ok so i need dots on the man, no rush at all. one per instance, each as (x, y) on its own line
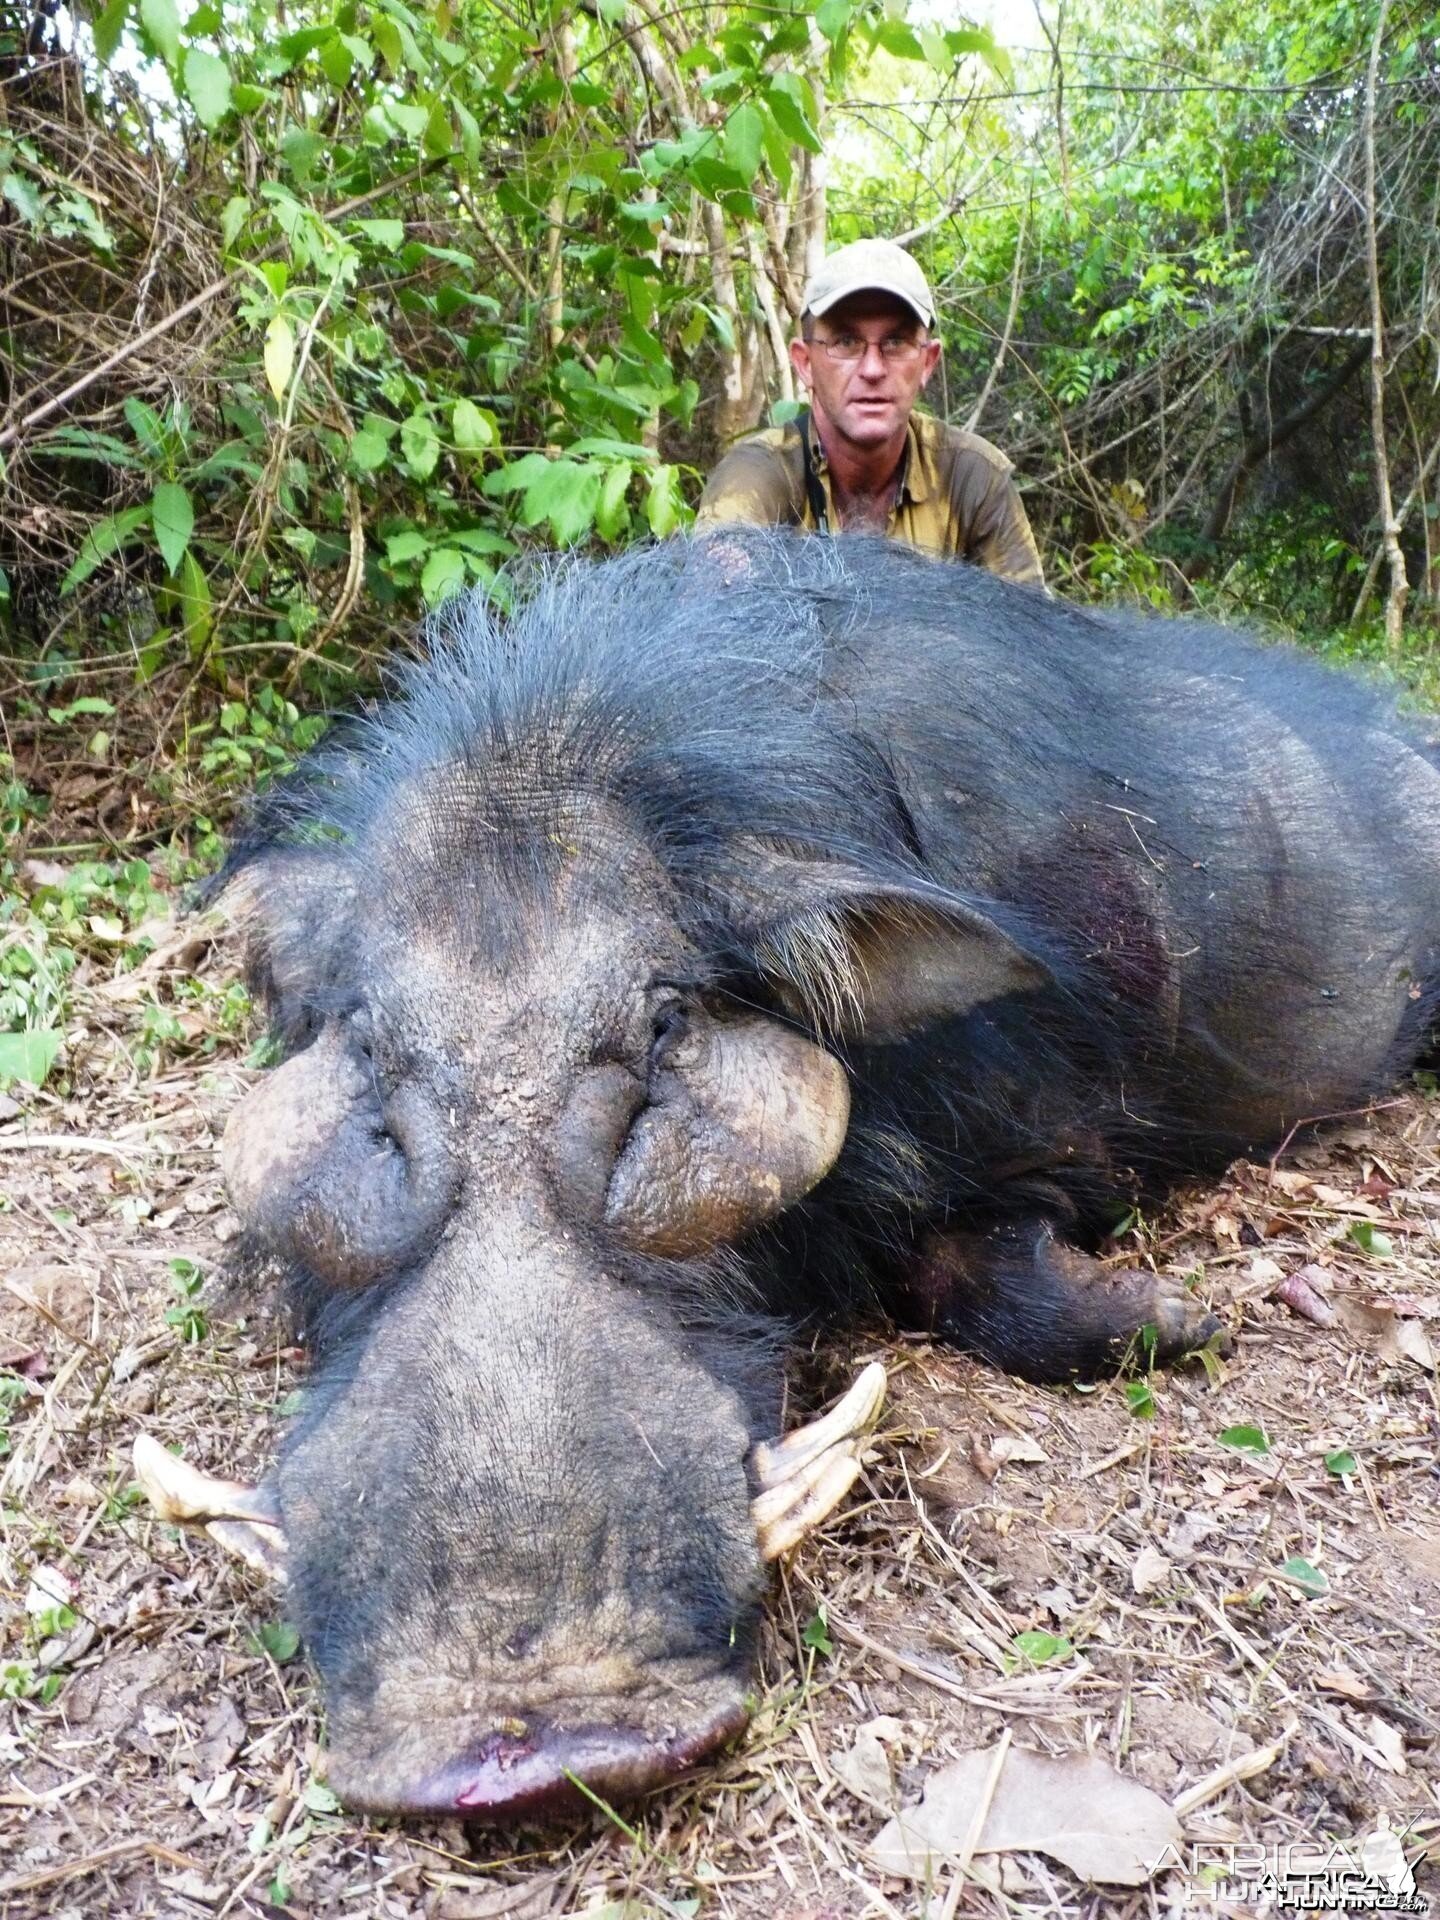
(859, 459)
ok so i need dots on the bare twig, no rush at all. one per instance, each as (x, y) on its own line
(998, 362)
(1389, 525)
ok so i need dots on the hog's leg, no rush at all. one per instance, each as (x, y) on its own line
(1021, 1298)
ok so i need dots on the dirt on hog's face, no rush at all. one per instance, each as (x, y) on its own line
(517, 1510)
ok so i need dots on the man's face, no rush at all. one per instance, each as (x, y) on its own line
(865, 398)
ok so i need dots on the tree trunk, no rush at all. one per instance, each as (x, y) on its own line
(1389, 525)
(559, 201)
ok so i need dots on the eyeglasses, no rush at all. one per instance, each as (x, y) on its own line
(849, 347)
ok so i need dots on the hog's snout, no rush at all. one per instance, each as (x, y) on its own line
(535, 1768)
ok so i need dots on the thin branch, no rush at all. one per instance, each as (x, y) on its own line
(1389, 525)
(1273, 435)
(18, 428)
(998, 362)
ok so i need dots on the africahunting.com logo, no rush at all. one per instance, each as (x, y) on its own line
(1373, 1875)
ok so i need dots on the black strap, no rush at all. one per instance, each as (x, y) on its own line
(814, 491)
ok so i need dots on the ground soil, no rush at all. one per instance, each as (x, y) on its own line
(178, 1767)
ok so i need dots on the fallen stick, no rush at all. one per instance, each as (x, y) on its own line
(1244, 1767)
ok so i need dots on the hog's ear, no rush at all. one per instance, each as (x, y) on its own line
(874, 963)
(295, 910)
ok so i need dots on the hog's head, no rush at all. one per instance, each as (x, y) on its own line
(555, 1059)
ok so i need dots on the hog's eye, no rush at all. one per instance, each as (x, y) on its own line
(670, 1025)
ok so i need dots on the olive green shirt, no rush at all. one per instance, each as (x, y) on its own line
(956, 496)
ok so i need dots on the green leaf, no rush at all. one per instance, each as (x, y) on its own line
(611, 517)
(474, 429)
(1368, 1237)
(515, 475)
(420, 445)
(566, 495)
(146, 425)
(744, 141)
(1341, 1463)
(816, 1634)
(318, 1798)
(409, 544)
(107, 536)
(603, 447)
(108, 27)
(87, 703)
(28, 1056)
(23, 194)
(438, 137)
(279, 1639)
(1140, 1398)
(301, 148)
(444, 574)
(237, 209)
(173, 519)
(664, 503)
(161, 21)
(727, 80)
(833, 16)
(1249, 1440)
(407, 118)
(724, 326)
(386, 36)
(469, 132)
(786, 100)
(195, 604)
(84, 443)
(898, 38)
(337, 62)
(304, 40)
(233, 457)
(207, 83)
(962, 40)
(279, 354)
(368, 450)
(1041, 1648)
(387, 235)
(478, 540)
(1305, 1576)
(777, 150)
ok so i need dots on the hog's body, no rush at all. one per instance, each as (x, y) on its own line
(584, 947)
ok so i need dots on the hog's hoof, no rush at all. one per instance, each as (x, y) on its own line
(1182, 1324)
(1020, 1296)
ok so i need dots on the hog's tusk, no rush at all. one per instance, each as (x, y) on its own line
(805, 1476)
(855, 1412)
(238, 1518)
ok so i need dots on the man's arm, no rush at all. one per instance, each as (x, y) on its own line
(997, 531)
(751, 487)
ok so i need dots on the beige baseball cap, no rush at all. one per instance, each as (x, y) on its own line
(870, 266)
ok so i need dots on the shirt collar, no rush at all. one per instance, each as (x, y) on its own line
(917, 481)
